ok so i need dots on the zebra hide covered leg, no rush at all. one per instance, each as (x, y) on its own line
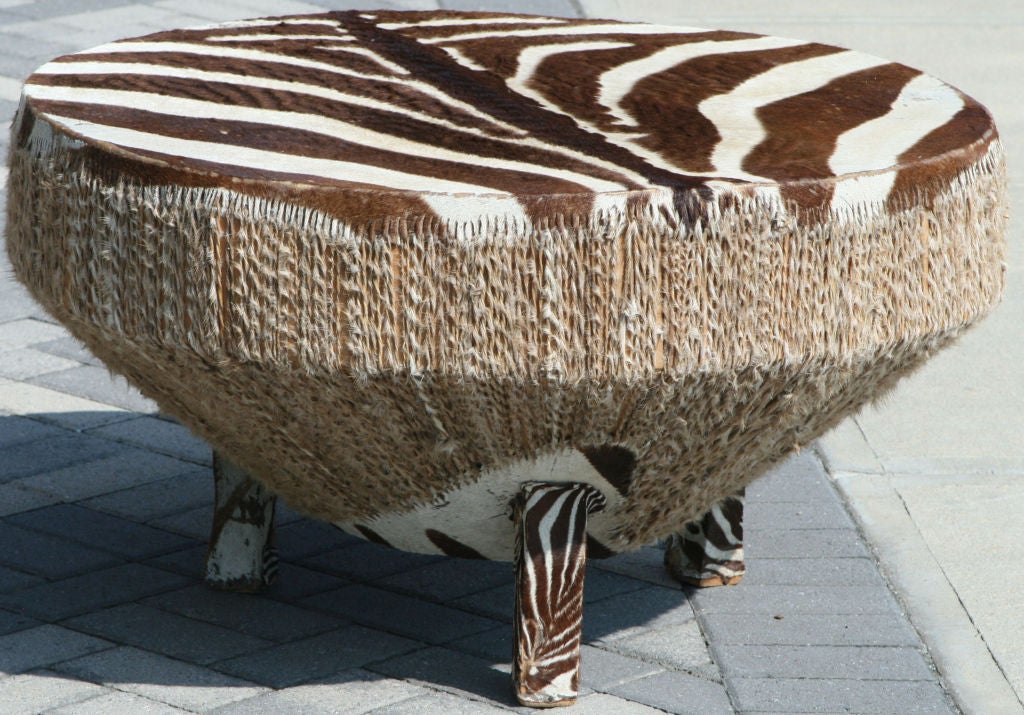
(241, 555)
(709, 551)
(550, 556)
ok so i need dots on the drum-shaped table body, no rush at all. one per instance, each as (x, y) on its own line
(396, 266)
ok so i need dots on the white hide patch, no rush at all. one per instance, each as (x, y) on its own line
(479, 515)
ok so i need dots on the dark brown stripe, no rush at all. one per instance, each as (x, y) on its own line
(614, 463)
(372, 535)
(452, 547)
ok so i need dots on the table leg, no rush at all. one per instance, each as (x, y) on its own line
(241, 555)
(709, 551)
(551, 553)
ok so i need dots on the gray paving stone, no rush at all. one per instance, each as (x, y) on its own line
(126, 467)
(158, 499)
(740, 629)
(26, 332)
(252, 615)
(102, 531)
(803, 543)
(438, 704)
(11, 622)
(602, 670)
(12, 579)
(16, 498)
(864, 696)
(399, 614)
(69, 348)
(48, 9)
(159, 435)
(46, 405)
(43, 646)
(296, 582)
(822, 662)
(302, 539)
(118, 703)
(194, 523)
(317, 657)
(171, 634)
(47, 455)
(678, 647)
(760, 515)
(18, 430)
(495, 603)
(599, 584)
(793, 600)
(604, 704)
(349, 692)
(48, 556)
(365, 561)
(814, 572)
(34, 693)
(187, 686)
(454, 672)
(91, 591)
(631, 613)
(96, 383)
(26, 363)
(676, 692)
(449, 579)
(645, 564)
(494, 645)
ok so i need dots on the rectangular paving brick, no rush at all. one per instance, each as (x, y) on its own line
(495, 644)
(167, 633)
(43, 646)
(676, 647)
(13, 579)
(159, 435)
(452, 671)
(349, 692)
(68, 411)
(97, 384)
(859, 696)
(91, 592)
(69, 348)
(308, 537)
(449, 579)
(629, 613)
(50, 454)
(796, 515)
(803, 543)
(187, 686)
(256, 616)
(17, 430)
(48, 556)
(126, 468)
(318, 656)
(822, 662)
(496, 603)
(41, 691)
(157, 499)
(16, 498)
(102, 531)
(440, 704)
(741, 629)
(193, 523)
(26, 362)
(23, 333)
(11, 622)
(645, 564)
(676, 692)
(814, 572)
(833, 600)
(603, 670)
(399, 614)
(365, 561)
(118, 702)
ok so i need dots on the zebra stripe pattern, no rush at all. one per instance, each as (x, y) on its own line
(468, 115)
(709, 551)
(551, 553)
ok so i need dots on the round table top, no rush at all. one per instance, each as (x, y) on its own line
(376, 114)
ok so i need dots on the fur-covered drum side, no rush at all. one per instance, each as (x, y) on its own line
(405, 269)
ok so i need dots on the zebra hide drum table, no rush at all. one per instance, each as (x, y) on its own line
(500, 286)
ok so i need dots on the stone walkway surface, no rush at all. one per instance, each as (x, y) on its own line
(105, 505)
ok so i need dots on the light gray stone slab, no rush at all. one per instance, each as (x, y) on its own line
(741, 629)
(34, 693)
(823, 662)
(859, 696)
(676, 647)
(116, 703)
(676, 692)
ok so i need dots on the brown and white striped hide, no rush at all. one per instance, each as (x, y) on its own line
(551, 556)
(709, 551)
